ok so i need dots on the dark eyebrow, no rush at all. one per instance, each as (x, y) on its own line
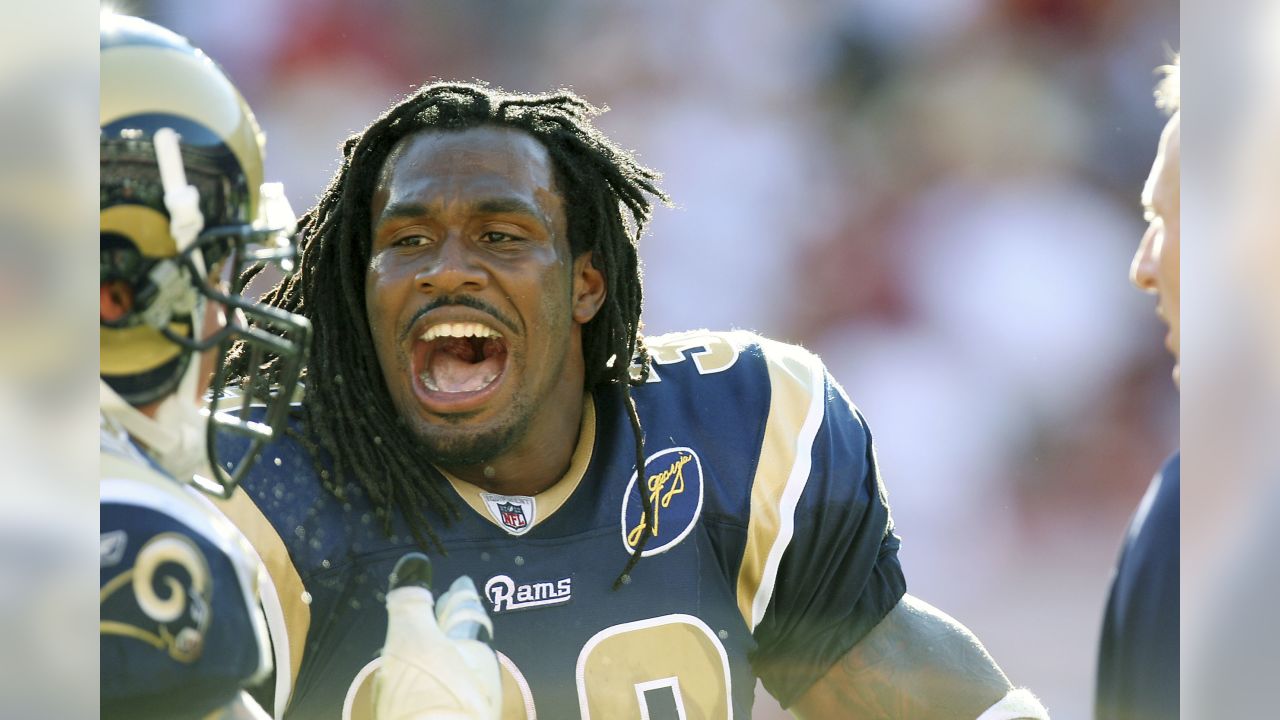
(396, 211)
(490, 206)
(499, 206)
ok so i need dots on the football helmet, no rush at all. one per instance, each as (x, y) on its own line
(184, 213)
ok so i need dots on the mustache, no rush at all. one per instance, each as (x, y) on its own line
(466, 301)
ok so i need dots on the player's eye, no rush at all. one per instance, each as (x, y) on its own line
(497, 237)
(411, 241)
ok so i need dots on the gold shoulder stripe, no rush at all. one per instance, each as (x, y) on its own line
(291, 615)
(796, 407)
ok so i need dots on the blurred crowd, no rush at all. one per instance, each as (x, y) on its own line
(940, 197)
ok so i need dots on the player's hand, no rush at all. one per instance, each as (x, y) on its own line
(433, 665)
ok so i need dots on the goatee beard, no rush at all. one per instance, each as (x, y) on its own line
(462, 449)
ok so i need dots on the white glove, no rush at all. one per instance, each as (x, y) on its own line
(432, 667)
(244, 708)
(1017, 704)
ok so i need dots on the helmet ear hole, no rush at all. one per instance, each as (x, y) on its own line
(117, 301)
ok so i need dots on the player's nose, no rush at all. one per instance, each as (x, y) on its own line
(452, 268)
(1142, 271)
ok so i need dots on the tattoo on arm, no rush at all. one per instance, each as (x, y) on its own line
(917, 664)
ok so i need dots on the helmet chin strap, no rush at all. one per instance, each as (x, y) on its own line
(175, 437)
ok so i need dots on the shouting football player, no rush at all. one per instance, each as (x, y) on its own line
(1138, 659)
(654, 523)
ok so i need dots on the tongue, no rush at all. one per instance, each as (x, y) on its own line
(449, 373)
(455, 372)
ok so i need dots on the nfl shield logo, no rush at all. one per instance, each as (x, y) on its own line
(512, 516)
(515, 514)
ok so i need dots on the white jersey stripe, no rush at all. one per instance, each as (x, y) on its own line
(796, 482)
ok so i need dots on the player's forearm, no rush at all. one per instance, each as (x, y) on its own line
(917, 664)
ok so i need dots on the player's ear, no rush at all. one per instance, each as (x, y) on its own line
(589, 288)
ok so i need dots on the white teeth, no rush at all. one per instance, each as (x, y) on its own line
(469, 329)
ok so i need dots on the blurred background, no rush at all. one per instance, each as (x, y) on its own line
(48, 432)
(940, 197)
(1231, 399)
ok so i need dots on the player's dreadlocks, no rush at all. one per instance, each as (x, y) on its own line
(349, 412)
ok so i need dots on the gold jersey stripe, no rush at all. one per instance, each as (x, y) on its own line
(795, 413)
(290, 593)
(551, 499)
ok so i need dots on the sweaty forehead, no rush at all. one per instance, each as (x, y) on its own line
(436, 162)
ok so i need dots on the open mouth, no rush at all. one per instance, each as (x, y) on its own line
(456, 360)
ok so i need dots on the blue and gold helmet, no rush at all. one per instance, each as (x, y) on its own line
(184, 213)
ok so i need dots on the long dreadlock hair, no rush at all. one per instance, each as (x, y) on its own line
(349, 414)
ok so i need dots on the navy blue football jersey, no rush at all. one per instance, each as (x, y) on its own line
(1138, 657)
(773, 553)
(180, 632)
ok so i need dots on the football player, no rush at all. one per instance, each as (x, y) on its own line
(654, 523)
(183, 211)
(1138, 658)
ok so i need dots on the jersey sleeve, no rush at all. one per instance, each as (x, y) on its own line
(180, 630)
(820, 568)
(1138, 655)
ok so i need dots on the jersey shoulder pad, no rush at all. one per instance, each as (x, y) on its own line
(286, 473)
(746, 407)
(137, 484)
(707, 353)
(179, 624)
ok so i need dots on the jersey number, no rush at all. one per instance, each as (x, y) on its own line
(669, 666)
(639, 669)
(712, 353)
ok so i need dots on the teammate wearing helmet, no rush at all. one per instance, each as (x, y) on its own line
(183, 208)
(183, 213)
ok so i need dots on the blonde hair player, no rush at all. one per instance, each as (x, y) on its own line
(1138, 656)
